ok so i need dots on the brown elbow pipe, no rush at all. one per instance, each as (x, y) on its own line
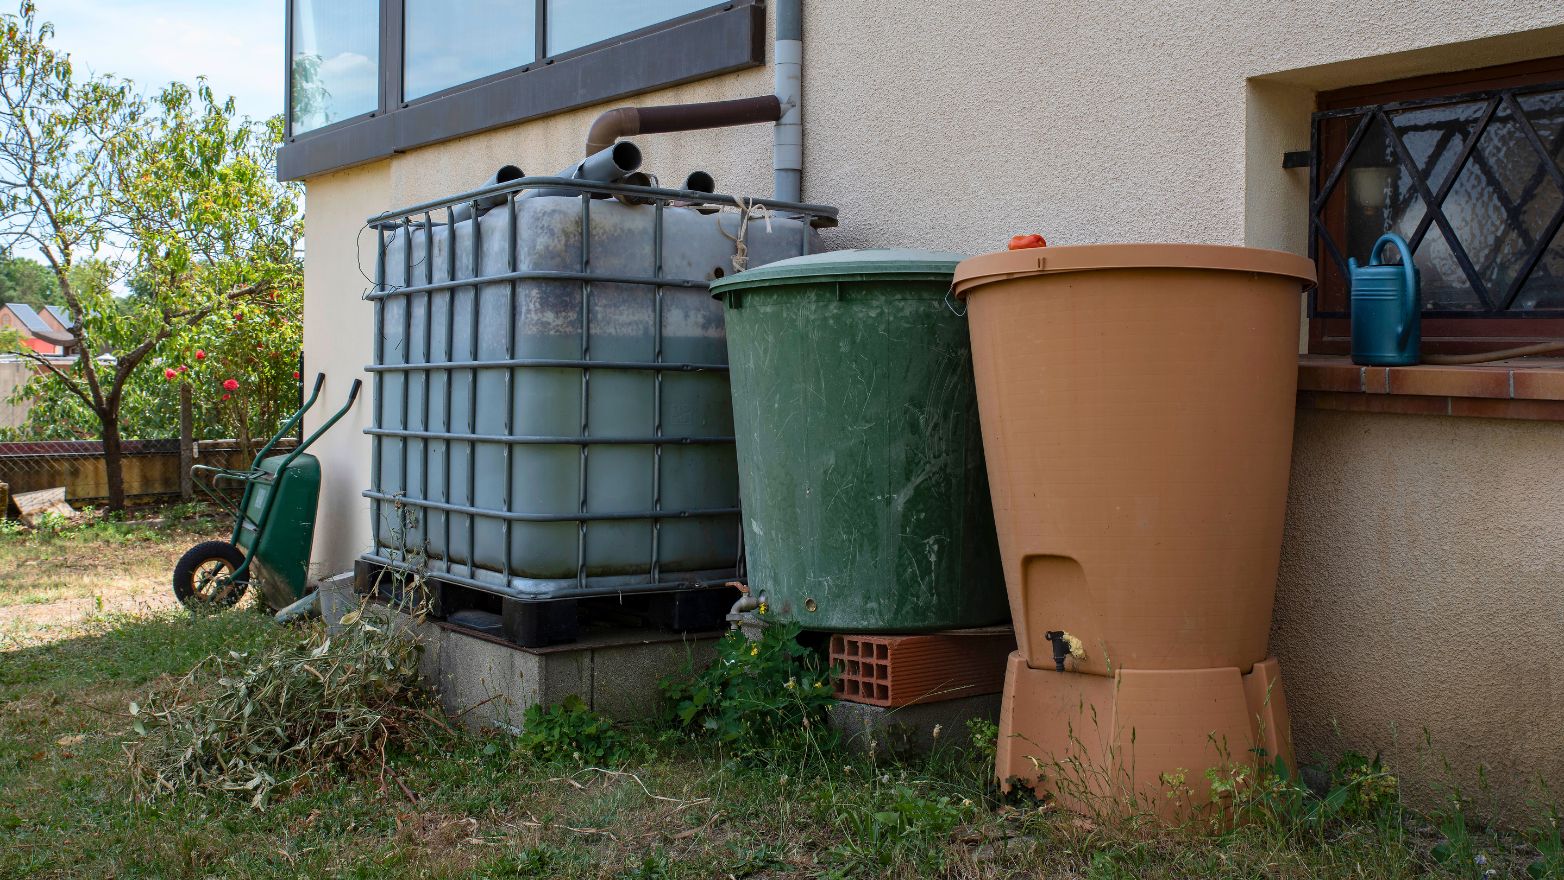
(630, 121)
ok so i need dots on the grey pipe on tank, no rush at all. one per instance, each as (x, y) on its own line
(505, 174)
(701, 182)
(607, 165)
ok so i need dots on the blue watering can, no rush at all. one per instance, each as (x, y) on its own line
(1386, 309)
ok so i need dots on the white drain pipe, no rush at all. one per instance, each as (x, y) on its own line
(787, 151)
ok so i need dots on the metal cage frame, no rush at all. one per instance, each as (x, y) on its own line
(422, 219)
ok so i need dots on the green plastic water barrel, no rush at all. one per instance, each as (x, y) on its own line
(865, 501)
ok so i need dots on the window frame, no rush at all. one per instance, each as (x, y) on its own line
(717, 39)
(1329, 304)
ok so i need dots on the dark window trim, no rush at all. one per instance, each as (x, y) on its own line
(707, 43)
(381, 101)
(1330, 323)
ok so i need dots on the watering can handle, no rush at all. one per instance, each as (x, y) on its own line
(1411, 306)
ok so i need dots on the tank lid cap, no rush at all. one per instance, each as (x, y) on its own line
(1004, 265)
(845, 265)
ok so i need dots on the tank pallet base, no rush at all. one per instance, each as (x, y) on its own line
(901, 670)
(539, 624)
(1141, 740)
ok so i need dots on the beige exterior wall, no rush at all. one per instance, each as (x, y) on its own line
(1115, 122)
(1422, 591)
(14, 374)
(337, 342)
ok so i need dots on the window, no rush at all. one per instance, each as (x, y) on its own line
(371, 78)
(576, 23)
(1469, 168)
(334, 62)
(450, 42)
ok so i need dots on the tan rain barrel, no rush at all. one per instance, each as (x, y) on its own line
(1137, 411)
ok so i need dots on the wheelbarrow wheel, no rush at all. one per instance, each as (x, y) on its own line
(201, 577)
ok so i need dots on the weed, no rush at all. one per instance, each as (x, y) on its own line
(11, 527)
(754, 692)
(1550, 846)
(570, 733)
(50, 524)
(897, 823)
(984, 735)
(1373, 791)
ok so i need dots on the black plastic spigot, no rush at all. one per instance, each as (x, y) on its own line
(1061, 647)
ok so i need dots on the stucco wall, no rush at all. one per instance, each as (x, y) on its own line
(13, 374)
(338, 342)
(1422, 590)
(954, 127)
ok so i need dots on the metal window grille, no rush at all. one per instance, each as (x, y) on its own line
(1473, 182)
(408, 514)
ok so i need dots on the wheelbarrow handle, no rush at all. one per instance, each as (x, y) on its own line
(326, 426)
(320, 380)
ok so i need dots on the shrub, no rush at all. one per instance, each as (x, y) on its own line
(570, 732)
(753, 692)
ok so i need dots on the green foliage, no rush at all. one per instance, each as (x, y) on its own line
(899, 823)
(181, 191)
(1362, 791)
(984, 735)
(754, 692)
(28, 281)
(1549, 841)
(1373, 792)
(570, 733)
(49, 524)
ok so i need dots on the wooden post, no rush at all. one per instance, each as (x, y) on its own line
(186, 443)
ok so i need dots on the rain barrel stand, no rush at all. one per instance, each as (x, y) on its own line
(1125, 739)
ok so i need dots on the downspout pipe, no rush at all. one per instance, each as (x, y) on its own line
(785, 108)
(630, 121)
(787, 150)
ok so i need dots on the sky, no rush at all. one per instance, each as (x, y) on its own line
(236, 44)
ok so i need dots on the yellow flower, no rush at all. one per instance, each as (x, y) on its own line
(762, 608)
(754, 650)
(791, 683)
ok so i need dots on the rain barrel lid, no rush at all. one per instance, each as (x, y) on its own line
(1004, 265)
(878, 263)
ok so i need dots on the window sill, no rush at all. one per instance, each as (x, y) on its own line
(1524, 388)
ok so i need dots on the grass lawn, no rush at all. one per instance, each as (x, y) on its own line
(666, 805)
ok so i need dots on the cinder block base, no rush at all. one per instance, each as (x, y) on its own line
(1122, 742)
(910, 729)
(487, 682)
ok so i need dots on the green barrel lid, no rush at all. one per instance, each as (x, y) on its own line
(853, 265)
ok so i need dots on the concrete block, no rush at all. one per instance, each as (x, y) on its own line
(478, 681)
(483, 681)
(625, 677)
(910, 728)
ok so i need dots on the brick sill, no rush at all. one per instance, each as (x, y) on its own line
(1525, 388)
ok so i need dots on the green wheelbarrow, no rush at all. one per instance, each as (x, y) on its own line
(274, 523)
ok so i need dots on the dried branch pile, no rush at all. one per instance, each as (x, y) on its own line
(248, 723)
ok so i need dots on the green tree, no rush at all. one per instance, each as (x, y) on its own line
(28, 281)
(184, 190)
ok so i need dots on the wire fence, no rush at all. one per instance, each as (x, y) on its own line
(151, 468)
